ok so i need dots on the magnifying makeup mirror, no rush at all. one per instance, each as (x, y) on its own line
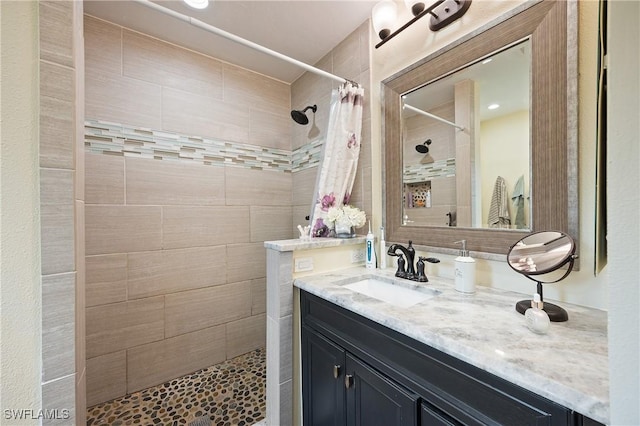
(542, 253)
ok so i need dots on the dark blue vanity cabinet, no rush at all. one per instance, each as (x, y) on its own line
(341, 389)
(357, 372)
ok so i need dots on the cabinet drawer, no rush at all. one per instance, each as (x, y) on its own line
(467, 394)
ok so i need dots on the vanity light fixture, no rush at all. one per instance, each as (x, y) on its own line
(197, 4)
(493, 106)
(443, 12)
(384, 17)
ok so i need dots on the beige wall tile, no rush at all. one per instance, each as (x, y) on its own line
(204, 226)
(270, 223)
(122, 100)
(304, 186)
(106, 377)
(57, 238)
(118, 326)
(364, 159)
(106, 279)
(256, 91)
(197, 115)
(102, 46)
(270, 130)
(365, 44)
(80, 293)
(56, 32)
(81, 398)
(155, 363)
(57, 221)
(346, 56)
(258, 296)
(246, 335)
(169, 271)
(155, 61)
(122, 229)
(56, 133)
(246, 262)
(171, 182)
(245, 187)
(56, 187)
(58, 395)
(197, 309)
(299, 218)
(58, 325)
(104, 179)
(57, 82)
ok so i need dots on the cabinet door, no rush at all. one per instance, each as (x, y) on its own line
(374, 400)
(323, 389)
(433, 417)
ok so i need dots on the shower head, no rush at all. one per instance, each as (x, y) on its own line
(300, 117)
(423, 148)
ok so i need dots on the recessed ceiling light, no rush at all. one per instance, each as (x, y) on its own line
(197, 4)
(493, 106)
(486, 61)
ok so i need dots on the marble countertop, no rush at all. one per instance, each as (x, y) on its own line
(312, 243)
(568, 365)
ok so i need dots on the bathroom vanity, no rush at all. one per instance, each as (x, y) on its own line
(448, 360)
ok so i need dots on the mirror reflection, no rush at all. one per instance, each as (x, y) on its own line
(541, 252)
(476, 175)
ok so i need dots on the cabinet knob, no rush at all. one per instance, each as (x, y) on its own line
(336, 371)
(348, 381)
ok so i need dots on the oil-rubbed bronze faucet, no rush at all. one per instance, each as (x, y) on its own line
(410, 254)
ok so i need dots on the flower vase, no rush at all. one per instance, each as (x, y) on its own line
(343, 230)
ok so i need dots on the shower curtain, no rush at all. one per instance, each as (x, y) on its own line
(340, 157)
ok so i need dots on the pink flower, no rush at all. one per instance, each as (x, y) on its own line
(320, 229)
(328, 201)
(352, 142)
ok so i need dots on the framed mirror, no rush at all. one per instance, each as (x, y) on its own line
(452, 175)
(549, 30)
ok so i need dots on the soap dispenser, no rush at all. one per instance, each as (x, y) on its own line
(465, 270)
(537, 319)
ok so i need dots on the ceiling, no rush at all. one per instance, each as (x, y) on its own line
(305, 30)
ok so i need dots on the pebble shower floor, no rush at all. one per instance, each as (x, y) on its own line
(231, 393)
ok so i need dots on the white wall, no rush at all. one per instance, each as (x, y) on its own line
(623, 237)
(504, 151)
(20, 296)
(581, 287)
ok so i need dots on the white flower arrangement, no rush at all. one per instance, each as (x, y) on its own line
(348, 215)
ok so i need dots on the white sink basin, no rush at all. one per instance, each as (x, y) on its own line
(394, 294)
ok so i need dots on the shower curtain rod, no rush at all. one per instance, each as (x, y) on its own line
(428, 114)
(235, 38)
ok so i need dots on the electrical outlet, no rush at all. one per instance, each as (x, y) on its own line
(358, 255)
(303, 264)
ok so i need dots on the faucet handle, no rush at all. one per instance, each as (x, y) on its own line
(420, 275)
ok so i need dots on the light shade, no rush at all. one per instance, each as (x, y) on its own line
(383, 17)
(197, 4)
(415, 6)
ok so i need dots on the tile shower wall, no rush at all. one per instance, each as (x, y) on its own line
(349, 59)
(188, 171)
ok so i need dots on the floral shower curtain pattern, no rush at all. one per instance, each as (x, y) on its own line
(340, 160)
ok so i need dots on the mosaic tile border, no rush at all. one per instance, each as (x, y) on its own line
(422, 172)
(103, 137)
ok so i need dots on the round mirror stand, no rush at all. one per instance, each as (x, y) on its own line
(555, 312)
(541, 253)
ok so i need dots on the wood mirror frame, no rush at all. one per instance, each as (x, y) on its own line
(552, 27)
